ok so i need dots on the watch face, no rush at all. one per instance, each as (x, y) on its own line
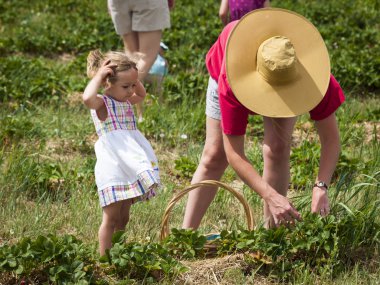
(321, 184)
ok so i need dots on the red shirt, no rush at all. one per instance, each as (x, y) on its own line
(234, 114)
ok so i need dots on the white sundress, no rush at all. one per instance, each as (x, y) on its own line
(126, 166)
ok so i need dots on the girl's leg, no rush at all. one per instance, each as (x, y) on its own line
(124, 215)
(276, 153)
(212, 165)
(111, 216)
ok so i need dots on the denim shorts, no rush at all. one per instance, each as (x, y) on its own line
(212, 100)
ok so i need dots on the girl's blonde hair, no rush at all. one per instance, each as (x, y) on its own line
(96, 58)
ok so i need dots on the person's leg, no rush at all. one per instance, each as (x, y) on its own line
(131, 42)
(124, 215)
(111, 215)
(149, 46)
(212, 166)
(276, 153)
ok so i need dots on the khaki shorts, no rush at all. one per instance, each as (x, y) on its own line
(139, 15)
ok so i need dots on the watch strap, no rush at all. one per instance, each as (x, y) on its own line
(321, 184)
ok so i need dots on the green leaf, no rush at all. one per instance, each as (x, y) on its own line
(118, 237)
(20, 269)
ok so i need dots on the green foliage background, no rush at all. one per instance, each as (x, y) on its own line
(47, 158)
(35, 33)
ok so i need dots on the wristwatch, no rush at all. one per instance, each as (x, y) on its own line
(321, 184)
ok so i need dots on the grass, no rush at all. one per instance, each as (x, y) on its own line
(48, 185)
(46, 134)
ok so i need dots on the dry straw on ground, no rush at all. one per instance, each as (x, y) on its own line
(230, 269)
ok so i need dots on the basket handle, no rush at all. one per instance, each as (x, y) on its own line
(165, 219)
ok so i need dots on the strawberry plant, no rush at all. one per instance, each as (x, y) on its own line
(321, 244)
(135, 260)
(304, 162)
(46, 138)
(185, 167)
(63, 259)
(185, 243)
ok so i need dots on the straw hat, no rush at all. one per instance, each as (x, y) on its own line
(277, 63)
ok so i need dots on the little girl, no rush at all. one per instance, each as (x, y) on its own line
(126, 170)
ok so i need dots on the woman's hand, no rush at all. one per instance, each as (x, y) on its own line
(282, 210)
(320, 202)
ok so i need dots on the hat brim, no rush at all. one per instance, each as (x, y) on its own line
(313, 64)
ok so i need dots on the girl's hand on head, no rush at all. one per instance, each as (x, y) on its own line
(320, 202)
(106, 70)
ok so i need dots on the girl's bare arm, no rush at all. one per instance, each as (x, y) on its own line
(90, 95)
(139, 95)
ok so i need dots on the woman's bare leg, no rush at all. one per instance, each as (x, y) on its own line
(212, 165)
(147, 44)
(131, 42)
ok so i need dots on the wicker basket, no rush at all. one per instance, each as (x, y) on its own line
(165, 231)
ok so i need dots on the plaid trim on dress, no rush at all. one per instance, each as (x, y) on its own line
(143, 189)
(143, 182)
(120, 117)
